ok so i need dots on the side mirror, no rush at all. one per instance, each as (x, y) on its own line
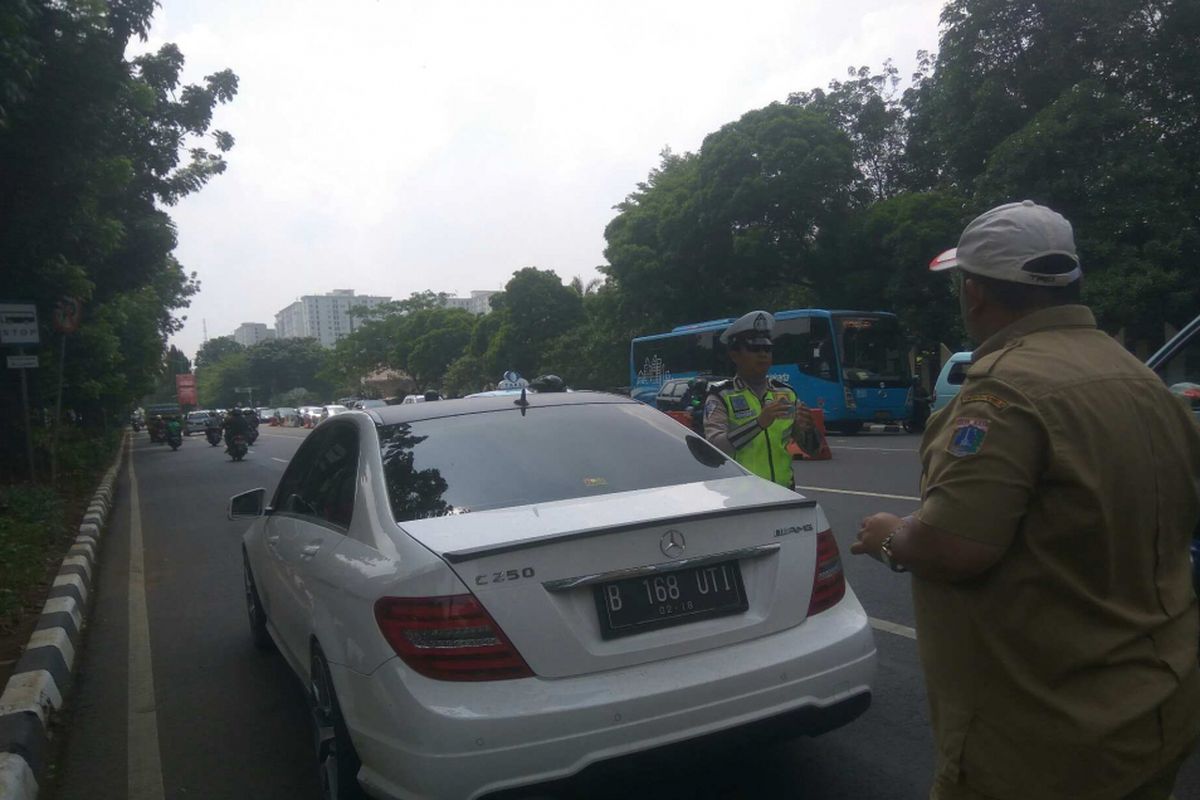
(247, 504)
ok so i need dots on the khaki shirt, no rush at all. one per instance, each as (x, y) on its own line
(1067, 670)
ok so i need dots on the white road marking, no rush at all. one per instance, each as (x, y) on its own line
(280, 460)
(287, 435)
(145, 764)
(892, 627)
(860, 494)
(875, 449)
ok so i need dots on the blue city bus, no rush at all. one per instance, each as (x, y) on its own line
(852, 364)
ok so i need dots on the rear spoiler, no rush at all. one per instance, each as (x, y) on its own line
(469, 554)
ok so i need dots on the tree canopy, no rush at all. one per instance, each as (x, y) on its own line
(92, 146)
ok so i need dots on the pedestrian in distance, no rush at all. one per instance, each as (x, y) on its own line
(753, 417)
(1055, 614)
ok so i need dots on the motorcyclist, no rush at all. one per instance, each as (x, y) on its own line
(235, 424)
(172, 426)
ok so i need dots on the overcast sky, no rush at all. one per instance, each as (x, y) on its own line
(389, 146)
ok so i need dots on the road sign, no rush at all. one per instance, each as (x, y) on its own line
(18, 323)
(68, 314)
(22, 362)
(185, 387)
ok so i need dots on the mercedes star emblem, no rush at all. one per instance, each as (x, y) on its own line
(673, 544)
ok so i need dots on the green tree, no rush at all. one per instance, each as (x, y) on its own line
(276, 365)
(465, 375)
(868, 109)
(439, 337)
(744, 218)
(534, 308)
(91, 147)
(595, 353)
(215, 349)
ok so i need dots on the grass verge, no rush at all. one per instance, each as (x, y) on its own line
(37, 522)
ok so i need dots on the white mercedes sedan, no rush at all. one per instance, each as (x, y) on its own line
(494, 593)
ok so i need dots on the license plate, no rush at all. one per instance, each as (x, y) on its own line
(670, 598)
(885, 416)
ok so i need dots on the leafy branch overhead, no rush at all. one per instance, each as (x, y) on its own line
(92, 145)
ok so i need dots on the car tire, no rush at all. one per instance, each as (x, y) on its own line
(254, 609)
(337, 760)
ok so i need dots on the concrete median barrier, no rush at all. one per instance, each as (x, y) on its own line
(43, 674)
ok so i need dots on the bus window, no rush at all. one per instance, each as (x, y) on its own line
(806, 342)
(873, 350)
(677, 356)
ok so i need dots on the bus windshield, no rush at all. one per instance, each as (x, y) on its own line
(873, 350)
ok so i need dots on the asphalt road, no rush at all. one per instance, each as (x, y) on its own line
(230, 722)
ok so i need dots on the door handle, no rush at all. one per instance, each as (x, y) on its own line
(310, 550)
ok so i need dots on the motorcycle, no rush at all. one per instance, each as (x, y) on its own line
(174, 438)
(213, 435)
(238, 447)
(252, 435)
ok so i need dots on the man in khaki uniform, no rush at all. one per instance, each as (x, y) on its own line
(1056, 619)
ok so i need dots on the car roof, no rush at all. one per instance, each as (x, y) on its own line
(391, 415)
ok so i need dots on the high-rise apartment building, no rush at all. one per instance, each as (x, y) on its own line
(324, 317)
(249, 334)
(477, 303)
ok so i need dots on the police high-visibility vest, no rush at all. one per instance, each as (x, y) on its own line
(766, 455)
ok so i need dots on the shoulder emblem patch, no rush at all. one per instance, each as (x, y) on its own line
(740, 407)
(990, 399)
(968, 436)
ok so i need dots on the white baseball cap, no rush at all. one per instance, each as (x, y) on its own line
(1002, 242)
(753, 328)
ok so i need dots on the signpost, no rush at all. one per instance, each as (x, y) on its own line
(246, 390)
(19, 326)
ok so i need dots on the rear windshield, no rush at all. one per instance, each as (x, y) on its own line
(497, 459)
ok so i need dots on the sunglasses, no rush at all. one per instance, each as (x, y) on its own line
(757, 348)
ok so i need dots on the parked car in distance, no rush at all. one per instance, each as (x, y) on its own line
(364, 404)
(198, 421)
(950, 379)
(476, 618)
(677, 394)
(1178, 364)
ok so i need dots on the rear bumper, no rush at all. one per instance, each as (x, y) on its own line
(420, 738)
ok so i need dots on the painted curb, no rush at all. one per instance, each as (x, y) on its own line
(42, 675)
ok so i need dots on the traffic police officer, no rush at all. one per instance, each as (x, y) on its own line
(1056, 619)
(753, 417)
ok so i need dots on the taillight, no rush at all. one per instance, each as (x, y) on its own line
(851, 403)
(449, 638)
(829, 582)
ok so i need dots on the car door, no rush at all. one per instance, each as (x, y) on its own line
(1178, 364)
(315, 517)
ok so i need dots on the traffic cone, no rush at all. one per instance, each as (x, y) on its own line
(822, 451)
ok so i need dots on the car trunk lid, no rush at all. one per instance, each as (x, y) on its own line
(544, 571)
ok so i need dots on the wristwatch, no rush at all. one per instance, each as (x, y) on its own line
(885, 552)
